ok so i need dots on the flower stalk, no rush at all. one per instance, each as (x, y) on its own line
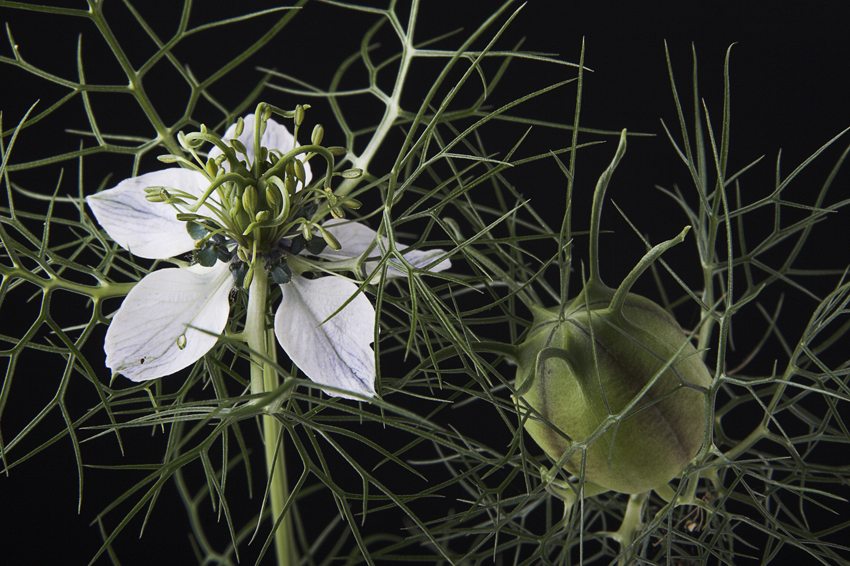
(264, 379)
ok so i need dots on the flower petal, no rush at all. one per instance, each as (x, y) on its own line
(276, 137)
(167, 306)
(147, 229)
(338, 352)
(356, 239)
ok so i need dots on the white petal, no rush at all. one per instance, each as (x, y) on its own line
(356, 238)
(338, 352)
(418, 259)
(276, 137)
(147, 229)
(142, 340)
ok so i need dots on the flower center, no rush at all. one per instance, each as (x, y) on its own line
(258, 203)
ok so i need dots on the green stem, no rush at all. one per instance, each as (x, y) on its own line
(264, 379)
(619, 299)
(594, 281)
(632, 524)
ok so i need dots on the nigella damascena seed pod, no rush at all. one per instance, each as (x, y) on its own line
(614, 371)
(601, 362)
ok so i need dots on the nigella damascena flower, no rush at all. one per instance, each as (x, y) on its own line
(244, 213)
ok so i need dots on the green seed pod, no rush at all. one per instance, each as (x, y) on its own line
(613, 370)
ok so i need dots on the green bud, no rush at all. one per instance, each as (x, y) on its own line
(188, 216)
(351, 203)
(330, 239)
(242, 220)
(318, 134)
(240, 125)
(249, 200)
(300, 173)
(337, 151)
(246, 283)
(181, 139)
(290, 184)
(238, 146)
(156, 194)
(305, 231)
(211, 168)
(242, 254)
(611, 358)
(273, 196)
(263, 216)
(299, 115)
(168, 158)
(235, 204)
(352, 173)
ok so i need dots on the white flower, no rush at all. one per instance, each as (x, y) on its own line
(172, 317)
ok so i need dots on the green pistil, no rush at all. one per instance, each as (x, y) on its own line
(257, 204)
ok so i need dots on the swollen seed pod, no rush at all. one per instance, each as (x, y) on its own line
(613, 371)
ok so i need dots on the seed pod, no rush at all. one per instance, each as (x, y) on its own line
(615, 370)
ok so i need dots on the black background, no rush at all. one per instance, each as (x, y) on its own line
(789, 91)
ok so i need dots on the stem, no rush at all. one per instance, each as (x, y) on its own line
(619, 299)
(594, 281)
(632, 524)
(264, 379)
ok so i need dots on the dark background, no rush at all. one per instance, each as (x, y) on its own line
(789, 92)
